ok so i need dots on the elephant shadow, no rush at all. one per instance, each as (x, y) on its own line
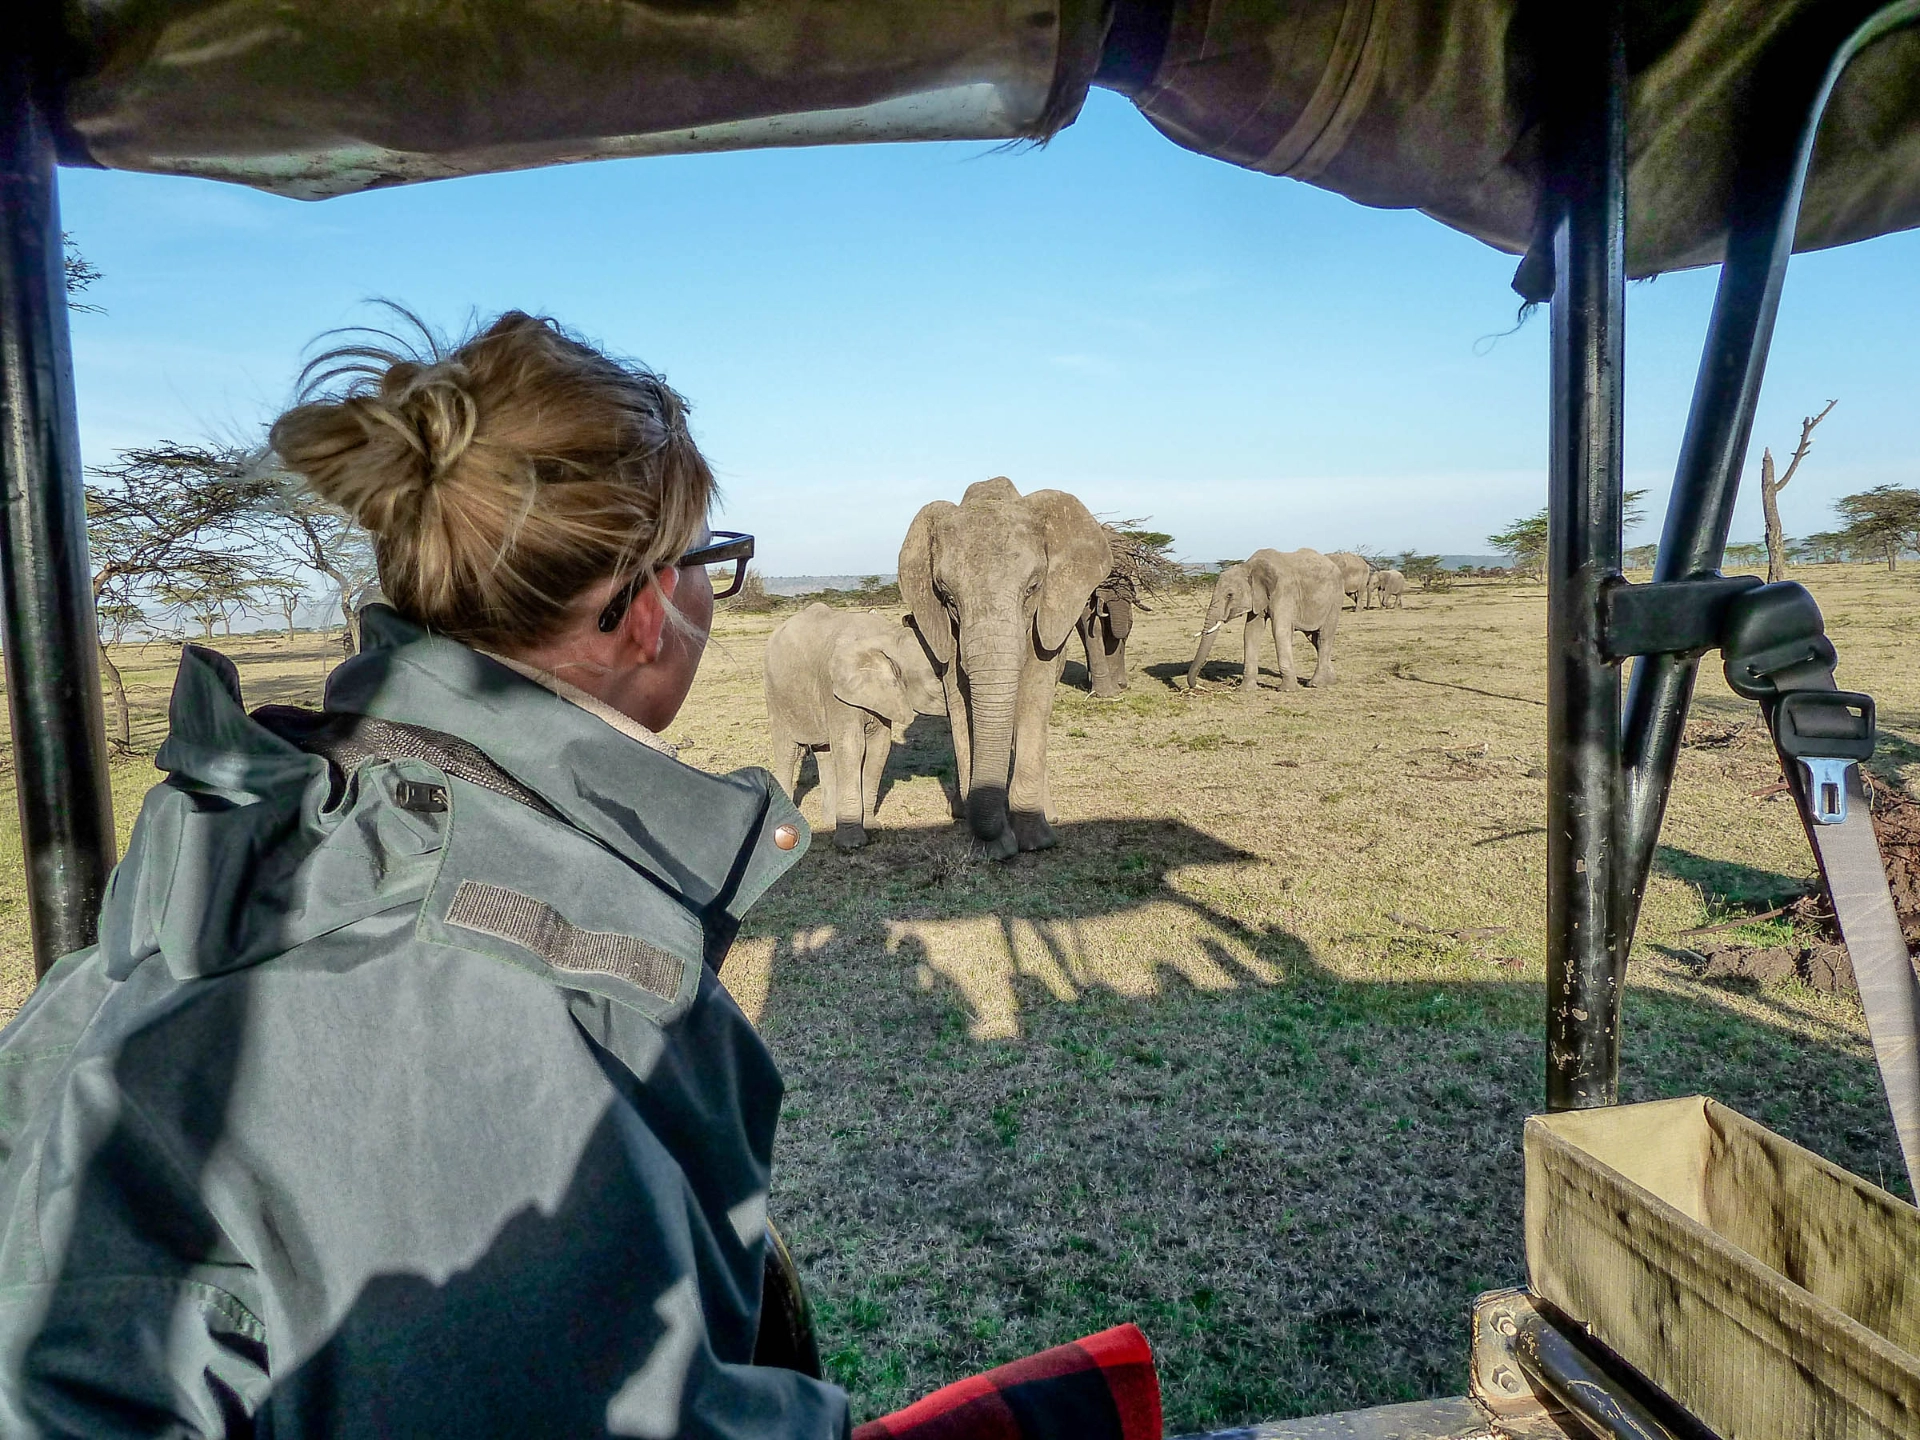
(1173, 673)
(925, 748)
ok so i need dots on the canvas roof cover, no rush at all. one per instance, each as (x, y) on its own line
(1432, 104)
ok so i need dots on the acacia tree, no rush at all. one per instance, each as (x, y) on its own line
(287, 593)
(324, 538)
(1770, 489)
(210, 592)
(1526, 540)
(160, 515)
(1882, 522)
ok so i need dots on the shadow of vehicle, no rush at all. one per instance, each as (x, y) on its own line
(1027, 1100)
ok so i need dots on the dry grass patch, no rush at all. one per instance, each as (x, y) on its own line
(1245, 1059)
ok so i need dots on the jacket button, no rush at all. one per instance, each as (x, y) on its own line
(786, 836)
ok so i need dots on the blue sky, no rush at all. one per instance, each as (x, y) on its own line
(1249, 361)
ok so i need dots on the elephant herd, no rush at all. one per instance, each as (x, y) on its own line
(994, 587)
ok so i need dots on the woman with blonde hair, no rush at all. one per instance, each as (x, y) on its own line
(399, 1096)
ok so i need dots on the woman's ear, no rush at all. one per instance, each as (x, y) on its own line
(642, 630)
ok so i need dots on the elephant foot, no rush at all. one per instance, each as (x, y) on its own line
(849, 837)
(1032, 832)
(1001, 847)
(1319, 682)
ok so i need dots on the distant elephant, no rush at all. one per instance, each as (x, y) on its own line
(1354, 571)
(845, 680)
(1389, 587)
(996, 584)
(1297, 590)
(1105, 622)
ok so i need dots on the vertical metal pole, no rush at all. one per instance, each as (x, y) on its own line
(1584, 783)
(46, 603)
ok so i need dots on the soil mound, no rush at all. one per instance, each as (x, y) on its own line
(1815, 957)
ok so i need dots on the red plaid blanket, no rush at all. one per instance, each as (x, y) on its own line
(1100, 1388)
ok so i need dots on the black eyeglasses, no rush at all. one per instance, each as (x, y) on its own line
(725, 551)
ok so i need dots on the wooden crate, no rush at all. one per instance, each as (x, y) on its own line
(1769, 1292)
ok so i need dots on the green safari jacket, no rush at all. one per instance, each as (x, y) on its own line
(406, 1110)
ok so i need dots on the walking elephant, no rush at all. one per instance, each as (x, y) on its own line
(845, 680)
(996, 584)
(1389, 587)
(1105, 622)
(1354, 575)
(1297, 590)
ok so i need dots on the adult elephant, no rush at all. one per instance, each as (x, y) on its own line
(1390, 588)
(1354, 574)
(996, 584)
(1105, 622)
(840, 683)
(1294, 590)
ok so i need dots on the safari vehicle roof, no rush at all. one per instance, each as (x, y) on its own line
(1438, 105)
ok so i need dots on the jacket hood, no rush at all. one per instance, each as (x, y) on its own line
(243, 851)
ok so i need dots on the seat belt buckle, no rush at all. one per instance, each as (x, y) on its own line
(1825, 731)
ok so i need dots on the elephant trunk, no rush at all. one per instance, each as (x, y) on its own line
(991, 695)
(1214, 622)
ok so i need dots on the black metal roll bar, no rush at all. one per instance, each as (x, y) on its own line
(46, 597)
(1609, 776)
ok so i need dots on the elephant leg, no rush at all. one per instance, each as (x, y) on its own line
(1027, 798)
(1250, 664)
(785, 756)
(848, 751)
(879, 744)
(1100, 677)
(1323, 650)
(1283, 644)
(829, 791)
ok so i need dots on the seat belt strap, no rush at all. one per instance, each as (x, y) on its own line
(1777, 652)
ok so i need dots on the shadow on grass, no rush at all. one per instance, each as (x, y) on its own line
(925, 749)
(1173, 673)
(1027, 1101)
(1728, 882)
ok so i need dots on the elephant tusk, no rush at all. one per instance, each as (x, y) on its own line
(1198, 634)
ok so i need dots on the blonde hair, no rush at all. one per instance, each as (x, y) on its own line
(502, 477)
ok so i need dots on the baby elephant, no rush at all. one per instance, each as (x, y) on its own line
(1389, 587)
(845, 679)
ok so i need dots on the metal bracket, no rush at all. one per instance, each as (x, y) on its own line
(1533, 1368)
(1668, 617)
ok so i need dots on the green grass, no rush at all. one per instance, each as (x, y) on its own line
(1245, 1060)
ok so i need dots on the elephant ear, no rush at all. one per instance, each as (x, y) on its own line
(1119, 617)
(916, 580)
(1263, 578)
(1078, 559)
(866, 677)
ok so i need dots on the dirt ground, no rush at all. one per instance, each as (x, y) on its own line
(1245, 1060)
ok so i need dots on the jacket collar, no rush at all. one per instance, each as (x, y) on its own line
(708, 838)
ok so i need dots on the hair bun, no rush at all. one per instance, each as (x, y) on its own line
(433, 409)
